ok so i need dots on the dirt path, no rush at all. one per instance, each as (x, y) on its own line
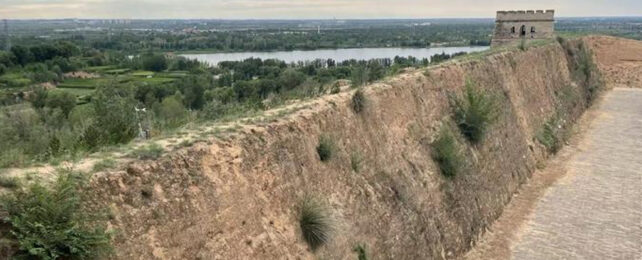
(588, 203)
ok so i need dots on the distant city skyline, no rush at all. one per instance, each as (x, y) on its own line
(303, 9)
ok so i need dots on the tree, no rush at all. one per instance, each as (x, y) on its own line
(21, 55)
(154, 62)
(116, 118)
(291, 78)
(61, 99)
(193, 91)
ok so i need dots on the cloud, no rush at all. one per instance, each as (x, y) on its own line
(300, 9)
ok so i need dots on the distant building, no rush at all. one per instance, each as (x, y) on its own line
(513, 26)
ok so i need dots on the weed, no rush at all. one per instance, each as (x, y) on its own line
(551, 135)
(325, 148)
(9, 182)
(105, 164)
(315, 223)
(446, 152)
(49, 223)
(361, 252)
(355, 161)
(474, 113)
(149, 152)
(358, 101)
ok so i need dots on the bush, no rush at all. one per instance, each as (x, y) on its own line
(361, 252)
(325, 148)
(171, 112)
(49, 223)
(474, 113)
(315, 223)
(61, 99)
(551, 135)
(358, 101)
(148, 152)
(447, 154)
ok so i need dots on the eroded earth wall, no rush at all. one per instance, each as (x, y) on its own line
(236, 197)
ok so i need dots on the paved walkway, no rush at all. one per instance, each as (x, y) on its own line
(594, 210)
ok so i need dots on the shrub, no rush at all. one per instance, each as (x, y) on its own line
(148, 152)
(171, 112)
(315, 223)
(474, 113)
(551, 135)
(49, 223)
(361, 252)
(325, 147)
(447, 154)
(355, 161)
(358, 101)
(61, 99)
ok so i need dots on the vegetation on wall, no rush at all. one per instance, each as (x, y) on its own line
(474, 112)
(315, 223)
(447, 152)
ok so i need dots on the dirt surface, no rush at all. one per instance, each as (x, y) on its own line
(620, 60)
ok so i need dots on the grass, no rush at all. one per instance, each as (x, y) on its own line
(104, 165)
(358, 101)
(447, 154)
(315, 223)
(49, 222)
(148, 152)
(9, 182)
(474, 112)
(325, 148)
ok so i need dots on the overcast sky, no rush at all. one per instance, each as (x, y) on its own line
(312, 9)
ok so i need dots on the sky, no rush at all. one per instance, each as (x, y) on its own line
(304, 9)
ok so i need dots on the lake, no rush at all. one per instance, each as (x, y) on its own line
(335, 54)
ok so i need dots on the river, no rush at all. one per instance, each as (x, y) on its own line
(335, 54)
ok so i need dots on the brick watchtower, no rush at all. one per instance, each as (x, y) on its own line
(512, 26)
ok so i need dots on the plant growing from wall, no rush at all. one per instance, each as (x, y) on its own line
(315, 223)
(447, 153)
(358, 101)
(325, 148)
(474, 112)
(361, 252)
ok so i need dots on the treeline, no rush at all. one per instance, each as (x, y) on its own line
(288, 38)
